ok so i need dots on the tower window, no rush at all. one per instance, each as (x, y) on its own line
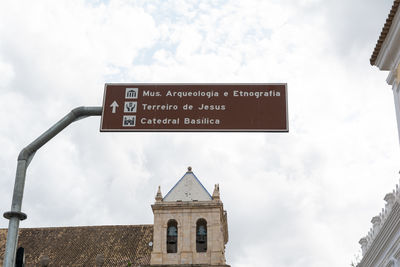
(201, 235)
(172, 236)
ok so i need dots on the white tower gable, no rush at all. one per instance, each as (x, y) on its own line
(188, 188)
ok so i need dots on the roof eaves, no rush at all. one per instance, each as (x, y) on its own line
(384, 32)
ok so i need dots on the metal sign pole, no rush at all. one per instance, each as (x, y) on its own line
(24, 158)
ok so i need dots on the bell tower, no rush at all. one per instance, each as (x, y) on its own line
(190, 225)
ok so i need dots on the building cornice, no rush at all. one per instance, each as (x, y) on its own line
(388, 56)
(383, 236)
(384, 33)
(187, 204)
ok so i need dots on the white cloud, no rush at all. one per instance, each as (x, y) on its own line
(292, 198)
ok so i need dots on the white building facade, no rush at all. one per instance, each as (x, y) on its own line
(381, 246)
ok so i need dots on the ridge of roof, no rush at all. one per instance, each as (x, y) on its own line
(84, 226)
(384, 32)
(197, 179)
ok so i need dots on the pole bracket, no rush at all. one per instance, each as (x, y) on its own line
(11, 214)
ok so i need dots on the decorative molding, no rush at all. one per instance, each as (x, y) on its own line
(384, 226)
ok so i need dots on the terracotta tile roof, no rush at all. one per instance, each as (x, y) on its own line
(79, 246)
(384, 32)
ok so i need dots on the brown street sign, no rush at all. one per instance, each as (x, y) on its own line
(195, 107)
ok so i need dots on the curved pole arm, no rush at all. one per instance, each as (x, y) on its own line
(24, 158)
(75, 114)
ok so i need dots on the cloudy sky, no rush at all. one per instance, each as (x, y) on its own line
(302, 198)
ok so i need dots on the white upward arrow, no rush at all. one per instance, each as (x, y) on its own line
(114, 106)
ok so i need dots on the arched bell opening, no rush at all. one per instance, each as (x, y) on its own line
(201, 235)
(172, 236)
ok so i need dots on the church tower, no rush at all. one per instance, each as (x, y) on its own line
(190, 225)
